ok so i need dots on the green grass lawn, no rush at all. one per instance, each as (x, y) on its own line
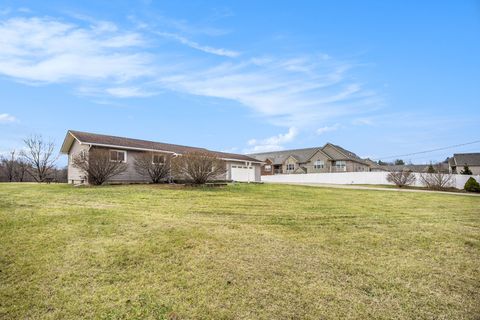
(239, 252)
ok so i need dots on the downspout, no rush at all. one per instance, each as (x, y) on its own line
(170, 169)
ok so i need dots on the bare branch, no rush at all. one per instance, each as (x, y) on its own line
(39, 157)
(437, 180)
(9, 166)
(401, 178)
(155, 166)
(97, 166)
(199, 167)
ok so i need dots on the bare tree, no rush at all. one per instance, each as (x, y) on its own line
(9, 166)
(401, 178)
(97, 165)
(21, 169)
(153, 165)
(437, 180)
(199, 166)
(39, 157)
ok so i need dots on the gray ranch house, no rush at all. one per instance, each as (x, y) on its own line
(329, 158)
(238, 167)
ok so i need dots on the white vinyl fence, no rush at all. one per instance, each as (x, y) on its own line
(352, 178)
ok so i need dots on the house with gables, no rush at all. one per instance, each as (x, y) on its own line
(329, 158)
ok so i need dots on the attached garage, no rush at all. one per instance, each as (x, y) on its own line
(243, 173)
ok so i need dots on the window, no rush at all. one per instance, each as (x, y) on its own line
(319, 164)
(118, 156)
(290, 167)
(268, 167)
(158, 159)
(340, 166)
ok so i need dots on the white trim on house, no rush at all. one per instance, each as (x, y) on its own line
(127, 148)
(118, 151)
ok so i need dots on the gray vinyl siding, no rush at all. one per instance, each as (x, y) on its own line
(131, 175)
(74, 174)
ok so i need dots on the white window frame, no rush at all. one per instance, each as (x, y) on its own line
(319, 164)
(158, 155)
(293, 167)
(268, 167)
(118, 151)
(342, 167)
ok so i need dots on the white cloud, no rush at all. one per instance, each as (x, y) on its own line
(272, 143)
(101, 59)
(46, 50)
(5, 118)
(287, 92)
(195, 45)
(325, 129)
(128, 92)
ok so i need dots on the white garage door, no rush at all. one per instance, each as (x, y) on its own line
(243, 173)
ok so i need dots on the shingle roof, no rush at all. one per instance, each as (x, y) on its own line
(303, 155)
(470, 159)
(416, 167)
(278, 157)
(100, 139)
(349, 154)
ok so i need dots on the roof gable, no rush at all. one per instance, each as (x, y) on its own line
(317, 152)
(278, 157)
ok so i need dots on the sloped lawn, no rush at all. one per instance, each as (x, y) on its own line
(240, 252)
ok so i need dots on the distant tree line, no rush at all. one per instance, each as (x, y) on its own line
(34, 163)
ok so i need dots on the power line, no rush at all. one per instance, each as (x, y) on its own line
(428, 151)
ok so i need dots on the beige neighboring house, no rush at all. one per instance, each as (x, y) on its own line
(329, 158)
(459, 160)
(239, 167)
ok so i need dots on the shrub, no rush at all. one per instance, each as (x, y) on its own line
(472, 185)
(466, 170)
(198, 167)
(97, 166)
(401, 178)
(153, 165)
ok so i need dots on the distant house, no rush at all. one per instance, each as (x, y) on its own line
(239, 167)
(329, 158)
(459, 160)
(374, 166)
(420, 168)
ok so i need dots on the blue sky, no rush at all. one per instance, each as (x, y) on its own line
(380, 78)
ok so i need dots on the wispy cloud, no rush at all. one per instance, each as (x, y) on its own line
(272, 143)
(102, 59)
(6, 118)
(288, 92)
(45, 50)
(195, 45)
(128, 92)
(326, 129)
